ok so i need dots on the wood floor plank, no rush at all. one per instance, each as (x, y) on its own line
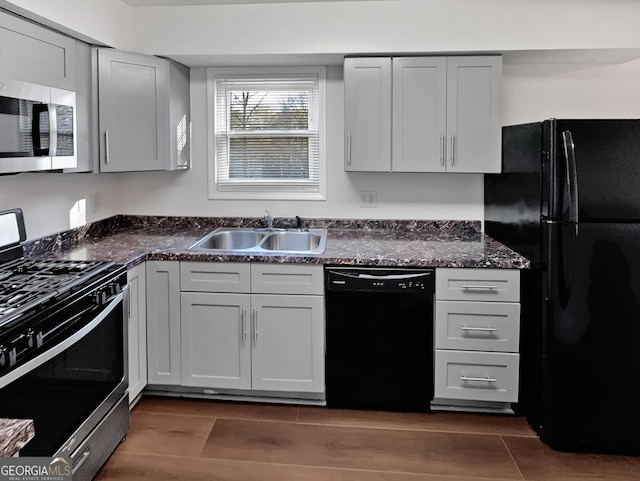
(434, 421)
(157, 433)
(539, 462)
(399, 451)
(219, 409)
(125, 466)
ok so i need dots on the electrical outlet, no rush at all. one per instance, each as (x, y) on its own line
(94, 202)
(368, 198)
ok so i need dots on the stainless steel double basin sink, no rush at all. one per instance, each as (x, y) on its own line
(248, 241)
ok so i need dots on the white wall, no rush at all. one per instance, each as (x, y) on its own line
(536, 91)
(548, 86)
(48, 199)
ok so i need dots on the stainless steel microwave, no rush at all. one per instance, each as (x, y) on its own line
(37, 127)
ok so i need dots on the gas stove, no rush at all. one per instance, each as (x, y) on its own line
(63, 343)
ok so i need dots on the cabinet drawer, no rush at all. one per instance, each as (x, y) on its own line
(480, 376)
(478, 285)
(477, 326)
(287, 279)
(215, 276)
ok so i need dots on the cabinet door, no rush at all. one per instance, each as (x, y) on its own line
(419, 114)
(133, 93)
(216, 342)
(36, 54)
(367, 100)
(163, 322)
(288, 343)
(137, 341)
(474, 115)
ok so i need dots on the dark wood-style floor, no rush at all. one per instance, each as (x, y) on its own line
(175, 439)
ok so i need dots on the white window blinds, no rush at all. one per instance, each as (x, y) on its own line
(267, 132)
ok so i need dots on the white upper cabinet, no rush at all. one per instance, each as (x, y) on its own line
(367, 83)
(143, 104)
(423, 114)
(35, 54)
(474, 114)
(419, 114)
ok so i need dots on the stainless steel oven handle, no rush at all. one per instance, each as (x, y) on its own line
(68, 342)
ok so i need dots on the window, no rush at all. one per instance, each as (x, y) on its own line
(266, 133)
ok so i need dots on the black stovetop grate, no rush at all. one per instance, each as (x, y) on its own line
(24, 283)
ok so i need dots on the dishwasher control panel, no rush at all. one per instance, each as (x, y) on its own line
(377, 279)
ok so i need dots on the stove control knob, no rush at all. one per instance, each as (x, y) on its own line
(3, 356)
(30, 338)
(113, 288)
(99, 297)
(13, 357)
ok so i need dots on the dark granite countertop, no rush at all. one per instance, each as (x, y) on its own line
(133, 239)
(14, 434)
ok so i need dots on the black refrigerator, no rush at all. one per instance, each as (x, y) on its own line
(568, 199)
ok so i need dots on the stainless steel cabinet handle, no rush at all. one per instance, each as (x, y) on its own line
(479, 287)
(129, 302)
(106, 146)
(452, 153)
(255, 324)
(442, 149)
(486, 329)
(348, 149)
(244, 323)
(479, 379)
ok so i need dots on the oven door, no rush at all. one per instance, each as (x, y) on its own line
(68, 389)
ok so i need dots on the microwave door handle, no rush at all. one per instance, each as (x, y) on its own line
(36, 108)
(53, 130)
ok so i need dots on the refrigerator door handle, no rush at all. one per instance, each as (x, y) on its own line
(572, 176)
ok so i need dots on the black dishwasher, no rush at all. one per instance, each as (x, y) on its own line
(379, 338)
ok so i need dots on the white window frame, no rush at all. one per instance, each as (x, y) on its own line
(264, 190)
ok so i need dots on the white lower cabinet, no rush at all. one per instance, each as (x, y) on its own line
(479, 376)
(240, 326)
(253, 341)
(288, 343)
(137, 332)
(477, 337)
(163, 322)
(216, 342)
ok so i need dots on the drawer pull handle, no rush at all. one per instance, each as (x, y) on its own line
(486, 329)
(480, 379)
(479, 287)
